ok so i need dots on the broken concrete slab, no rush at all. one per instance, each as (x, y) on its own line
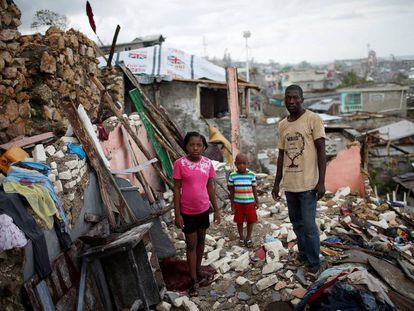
(272, 267)
(266, 282)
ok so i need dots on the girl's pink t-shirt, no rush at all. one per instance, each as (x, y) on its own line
(194, 177)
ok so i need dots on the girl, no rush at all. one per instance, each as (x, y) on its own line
(193, 191)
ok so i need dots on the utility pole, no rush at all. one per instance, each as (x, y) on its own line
(205, 46)
(246, 35)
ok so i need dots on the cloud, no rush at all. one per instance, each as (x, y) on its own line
(318, 30)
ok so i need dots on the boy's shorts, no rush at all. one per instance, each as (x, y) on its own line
(245, 212)
(194, 222)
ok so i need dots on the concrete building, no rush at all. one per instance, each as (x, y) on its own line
(194, 103)
(309, 80)
(385, 98)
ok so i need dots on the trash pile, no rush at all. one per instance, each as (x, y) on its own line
(366, 250)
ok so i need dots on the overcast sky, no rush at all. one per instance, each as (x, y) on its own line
(284, 31)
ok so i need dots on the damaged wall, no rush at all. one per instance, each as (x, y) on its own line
(181, 100)
(36, 71)
(14, 100)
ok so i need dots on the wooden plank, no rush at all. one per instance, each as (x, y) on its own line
(111, 53)
(25, 141)
(233, 101)
(111, 195)
(125, 122)
(101, 284)
(82, 285)
(159, 115)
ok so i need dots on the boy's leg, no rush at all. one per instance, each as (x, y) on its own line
(249, 230)
(240, 229)
(251, 218)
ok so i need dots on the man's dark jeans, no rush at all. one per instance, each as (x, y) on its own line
(302, 214)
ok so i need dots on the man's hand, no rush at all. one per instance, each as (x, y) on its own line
(233, 208)
(320, 189)
(256, 202)
(217, 217)
(179, 222)
(275, 193)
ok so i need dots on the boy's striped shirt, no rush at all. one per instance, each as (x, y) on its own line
(242, 183)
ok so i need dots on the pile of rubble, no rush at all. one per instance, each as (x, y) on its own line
(37, 71)
(14, 100)
(251, 278)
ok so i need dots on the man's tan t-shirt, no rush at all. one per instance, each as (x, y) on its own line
(300, 162)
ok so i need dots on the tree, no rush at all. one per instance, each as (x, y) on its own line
(49, 18)
(350, 78)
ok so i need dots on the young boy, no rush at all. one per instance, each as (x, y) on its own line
(243, 196)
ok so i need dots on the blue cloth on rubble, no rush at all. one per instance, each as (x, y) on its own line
(18, 175)
(76, 149)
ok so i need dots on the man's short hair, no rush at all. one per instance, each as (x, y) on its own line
(295, 87)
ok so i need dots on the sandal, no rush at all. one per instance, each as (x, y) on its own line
(205, 278)
(249, 243)
(193, 290)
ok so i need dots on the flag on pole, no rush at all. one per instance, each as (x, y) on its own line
(90, 16)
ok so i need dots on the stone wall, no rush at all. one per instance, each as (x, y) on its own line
(36, 71)
(14, 101)
(59, 64)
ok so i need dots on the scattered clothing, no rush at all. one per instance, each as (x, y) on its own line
(194, 177)
(39, 167)
(21, 176)
(102, 133)
(62, 233)
(243, 186)
(12, 205)
(76, 149)
(38, 198)
(10, 235)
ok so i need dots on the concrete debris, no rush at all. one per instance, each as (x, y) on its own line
(39, 154)
(163, 306)
(254, 307)
(272, 267)
(241, 280)
(266, 282)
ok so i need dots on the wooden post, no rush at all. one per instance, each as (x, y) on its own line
(233, 101)
(111, 195)
(111, 54)
(125, 122)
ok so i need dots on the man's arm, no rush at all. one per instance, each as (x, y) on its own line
(279, 175)
(212, 195)
(177, 199)
(321, 154)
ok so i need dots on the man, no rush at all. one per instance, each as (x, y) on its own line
(302, 164)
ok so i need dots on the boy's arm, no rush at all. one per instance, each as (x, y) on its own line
(212, 195)
(231, 190)
(321, 153)
(177, 199)
(256, 198)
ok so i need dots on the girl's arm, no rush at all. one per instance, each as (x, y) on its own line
(177, 199)
(212, 194)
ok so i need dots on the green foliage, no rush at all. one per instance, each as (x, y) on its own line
(351, 78)
(49, 18)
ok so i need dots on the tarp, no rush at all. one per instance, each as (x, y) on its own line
(168, 63)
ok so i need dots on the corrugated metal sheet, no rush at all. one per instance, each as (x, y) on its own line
(395, 131)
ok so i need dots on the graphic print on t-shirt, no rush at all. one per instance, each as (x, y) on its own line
(295, 144)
